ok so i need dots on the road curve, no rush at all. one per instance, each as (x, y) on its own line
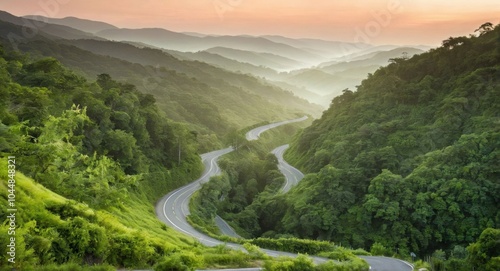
(255, 133)
(292, 175)
(173, 208)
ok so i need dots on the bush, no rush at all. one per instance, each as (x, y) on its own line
(184, 261)
(75, 267)
(172, 264)
(301, 263)
(234, 259)
(294, 245)
(339, 254)
(361, 252)
(354, 264)
(254, 251)
(304, 263)
(378, 249)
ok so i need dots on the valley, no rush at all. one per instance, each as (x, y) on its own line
(314, 153)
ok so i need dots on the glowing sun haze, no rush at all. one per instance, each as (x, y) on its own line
(374, 21)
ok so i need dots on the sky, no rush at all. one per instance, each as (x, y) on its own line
(401, 22)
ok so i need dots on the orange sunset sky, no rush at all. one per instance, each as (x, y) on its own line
(374, 21)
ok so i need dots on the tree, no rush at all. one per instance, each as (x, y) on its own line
(485, 253)
(484, 28)
(451, 42)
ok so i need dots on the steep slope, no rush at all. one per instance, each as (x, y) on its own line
(210, 75)
(409, 160)
(94, 155)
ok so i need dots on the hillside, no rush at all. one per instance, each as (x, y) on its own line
(88, 155)
(76, 23)
(263, 56)
(208, 74)
(330, 78)
(40, 28)
(326, 48)
(85, 161)
(379, 58)
(201, 97)
(227, 63)
(272, 61)
(410, 160)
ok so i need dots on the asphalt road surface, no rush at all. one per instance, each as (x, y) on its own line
(255, 133)
(173, 208)
(292, 175)
(224, 228)
(387, 264)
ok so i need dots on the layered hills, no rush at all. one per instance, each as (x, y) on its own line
(210, 99)
(303, 62)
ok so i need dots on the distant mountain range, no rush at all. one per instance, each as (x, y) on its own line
(314, 69)
(210, 99)
(76, 23)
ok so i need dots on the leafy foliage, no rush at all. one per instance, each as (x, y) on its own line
(485, 253)
(302, 262)
(409, 160)
(103, 145)
(294, 245)
(250, 178)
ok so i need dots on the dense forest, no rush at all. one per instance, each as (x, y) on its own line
(91, 158)
(410, 159)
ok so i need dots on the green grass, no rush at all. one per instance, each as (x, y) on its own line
(135, 217)
(138, 213)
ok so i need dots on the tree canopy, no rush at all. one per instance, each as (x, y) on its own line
(410, 159)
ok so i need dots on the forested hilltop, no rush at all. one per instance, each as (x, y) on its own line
(411, 159)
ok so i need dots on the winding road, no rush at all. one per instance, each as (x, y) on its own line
(255, 133)
(173, 208)
(292, 175)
